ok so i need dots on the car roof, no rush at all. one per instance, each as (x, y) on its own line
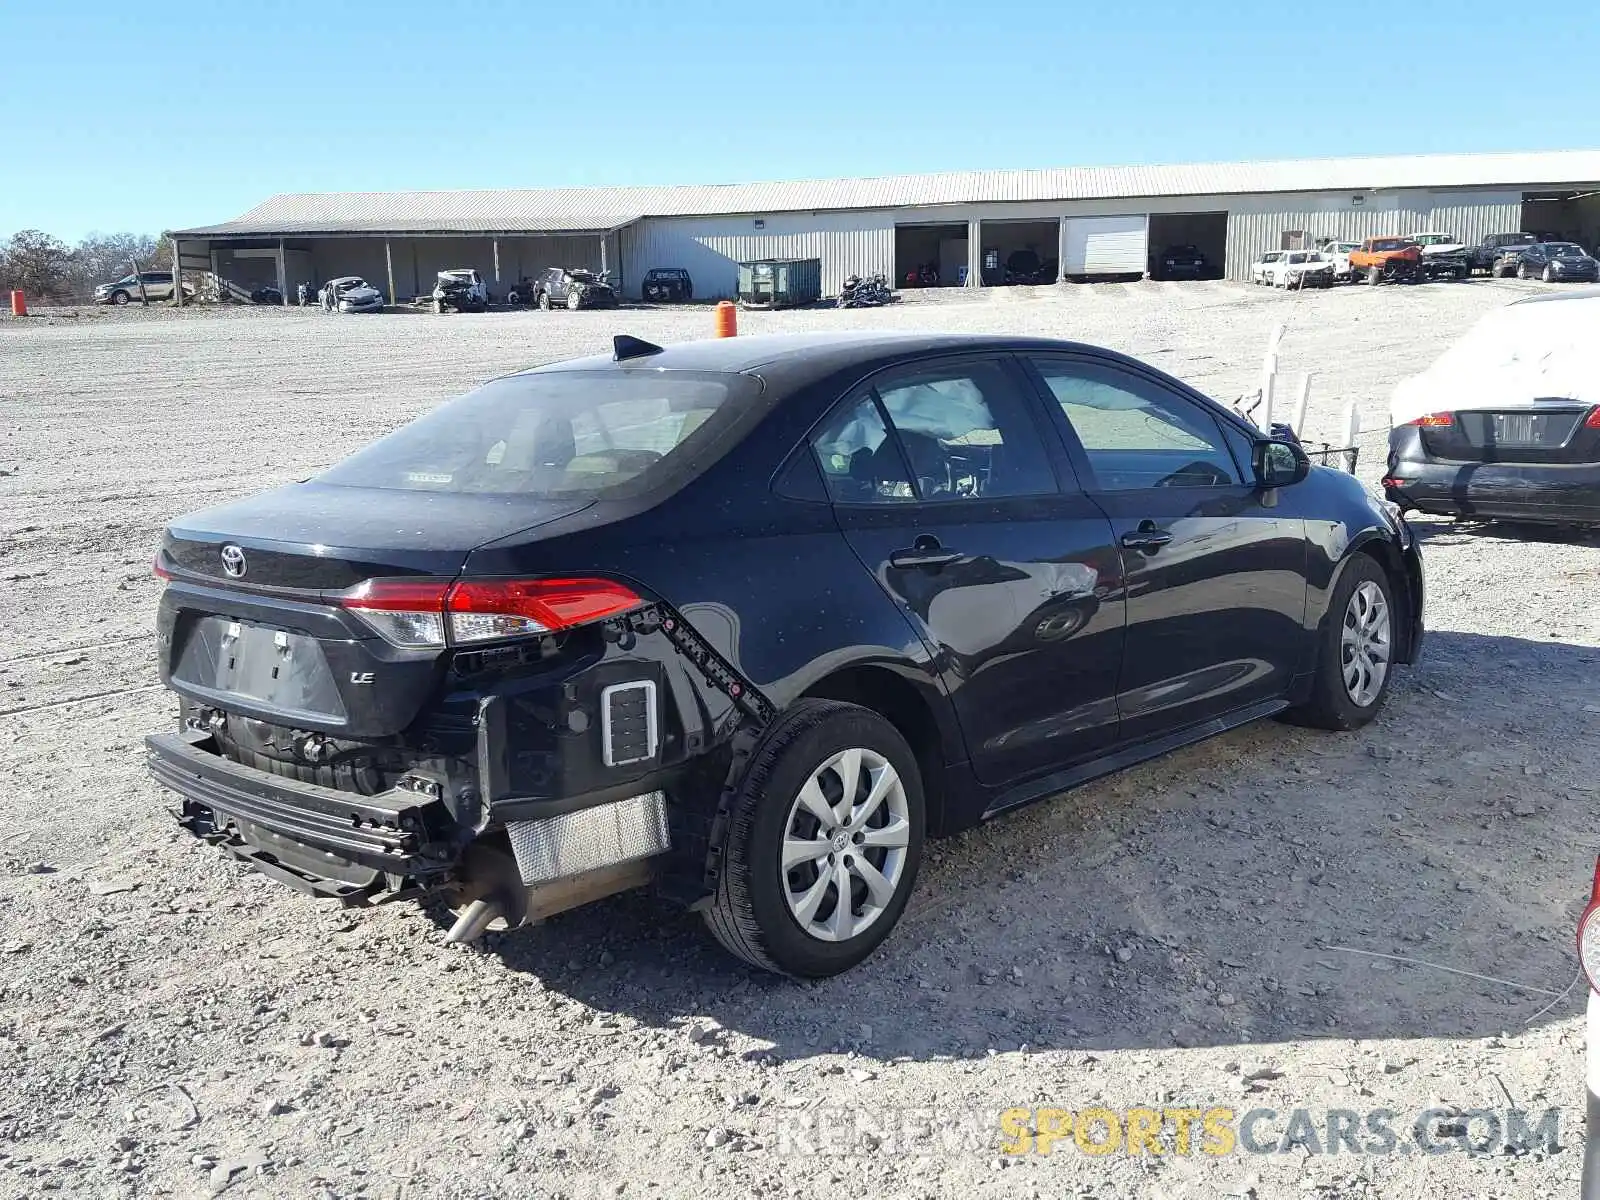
(794, 360)
(1588, 293)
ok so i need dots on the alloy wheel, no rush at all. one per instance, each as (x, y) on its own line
(844, 845)
(1364, 644)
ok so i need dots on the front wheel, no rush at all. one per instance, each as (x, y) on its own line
(1549, 275)
(824, 842)
(1355, 660)
(544, 301)
(120, 297)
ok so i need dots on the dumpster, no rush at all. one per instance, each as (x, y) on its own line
(780, 282)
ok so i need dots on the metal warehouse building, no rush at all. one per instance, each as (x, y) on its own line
(1092, 221)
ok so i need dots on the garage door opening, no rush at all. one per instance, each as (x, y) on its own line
(1177, 240)
(1021, 253)
(929, 255)
(1563, 216)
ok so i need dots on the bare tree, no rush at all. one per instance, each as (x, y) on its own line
(36, 262)
(102, 257)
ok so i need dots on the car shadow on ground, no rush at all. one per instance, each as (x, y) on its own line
(1446, 531)
(1241, 891)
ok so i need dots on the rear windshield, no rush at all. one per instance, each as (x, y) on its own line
(1390, 244)
(561, 433)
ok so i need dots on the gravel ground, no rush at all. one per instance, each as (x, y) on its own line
(1179, 935)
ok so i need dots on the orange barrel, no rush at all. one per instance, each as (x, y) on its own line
(727, 319)
(19, 306)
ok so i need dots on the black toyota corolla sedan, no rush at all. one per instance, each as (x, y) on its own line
(749, 619)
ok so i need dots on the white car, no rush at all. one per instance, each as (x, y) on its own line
(1261, 270)
(350, 294)
(1338, 253)
(1293, 269)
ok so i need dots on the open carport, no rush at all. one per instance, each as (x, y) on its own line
(1207, 232)
(1566, 214)
(943, 247)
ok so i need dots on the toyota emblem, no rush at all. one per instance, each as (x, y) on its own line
(233, 561)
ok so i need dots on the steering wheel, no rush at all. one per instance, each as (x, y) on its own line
(1199, 473)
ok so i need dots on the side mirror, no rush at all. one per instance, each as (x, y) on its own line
(1280, 464)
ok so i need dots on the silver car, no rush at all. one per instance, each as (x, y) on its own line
(351, 294)
(157, 286)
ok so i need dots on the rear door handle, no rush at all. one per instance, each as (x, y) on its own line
(1146, 539)
(926, 553)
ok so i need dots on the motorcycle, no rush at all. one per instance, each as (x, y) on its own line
(870, 292)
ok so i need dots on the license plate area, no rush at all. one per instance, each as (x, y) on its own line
(271, 668)
(1528, 430)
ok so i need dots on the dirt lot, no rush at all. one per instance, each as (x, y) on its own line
(1181, 935)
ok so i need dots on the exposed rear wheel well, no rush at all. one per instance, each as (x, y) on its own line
(899, 703)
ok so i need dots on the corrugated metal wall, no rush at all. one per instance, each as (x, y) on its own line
(711, 248)
(864, 242)
(1259, 223)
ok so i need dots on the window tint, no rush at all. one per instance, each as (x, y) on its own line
(967, 432)
(860, 462)
(561, 433)
(1135, 433)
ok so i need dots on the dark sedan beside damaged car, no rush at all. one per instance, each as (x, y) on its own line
(1506, 424)
(749, 620)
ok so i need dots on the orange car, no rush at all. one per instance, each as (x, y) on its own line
(1387, 260)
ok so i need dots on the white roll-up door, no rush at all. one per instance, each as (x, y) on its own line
(1107, 245)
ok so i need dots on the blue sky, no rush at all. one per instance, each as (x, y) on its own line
(143, 116)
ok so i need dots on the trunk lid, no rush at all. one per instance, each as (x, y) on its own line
(250, 621)
(1543, 431)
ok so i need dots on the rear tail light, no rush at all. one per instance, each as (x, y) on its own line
(1589, 935)
(1395, 482)
(432, 612)
(159, 568)
(1593, 420)
(1434, 420)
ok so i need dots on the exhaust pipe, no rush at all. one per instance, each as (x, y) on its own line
(489, 894)
(474, 920)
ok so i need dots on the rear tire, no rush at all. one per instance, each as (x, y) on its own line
(544, 301)
(574, 301)
(1355, 654)
(787, 920)
(1549, 275)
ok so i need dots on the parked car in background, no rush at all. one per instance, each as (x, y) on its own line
(1387, 260)
(350, 294)
(574, 288)
(532, 652)
(1443, 255)
(668, 285)
(1261, 269)
(1483, 256)
(462, 289)
(1025, 267)
(1506, 261)
(1298, 269)
(157, 286)
(1506, 424)
(1181, 262)
(1338, 253)
(1558, 262)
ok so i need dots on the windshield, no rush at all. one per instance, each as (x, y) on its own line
(1433, 239)
(1389, 244)
(1564, 249)
(347, 285)
(557, 433)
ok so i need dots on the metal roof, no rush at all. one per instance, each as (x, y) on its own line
(591, 210)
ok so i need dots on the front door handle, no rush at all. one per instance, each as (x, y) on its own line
(924, 552)
(1146, 537)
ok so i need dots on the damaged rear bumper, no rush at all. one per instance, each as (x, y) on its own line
(335, 844)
